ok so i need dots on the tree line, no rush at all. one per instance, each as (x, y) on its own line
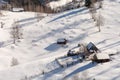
(30, 5)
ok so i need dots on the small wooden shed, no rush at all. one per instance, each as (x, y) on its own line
(62, 41)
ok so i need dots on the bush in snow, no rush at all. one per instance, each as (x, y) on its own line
(14, 62)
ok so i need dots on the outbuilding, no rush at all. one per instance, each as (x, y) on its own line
(101, 57)
(62, 41)
(92, 48)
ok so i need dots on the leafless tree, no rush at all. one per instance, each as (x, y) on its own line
(2, 24)
(93, 13)
(16, 32)
(99, 21)
(92, 10)
(100, 2)
(0, 13)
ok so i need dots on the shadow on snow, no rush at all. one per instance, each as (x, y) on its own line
(83, 68)
(53, 47)
(67, 14)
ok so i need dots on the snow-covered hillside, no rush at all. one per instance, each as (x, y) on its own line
(37, 51)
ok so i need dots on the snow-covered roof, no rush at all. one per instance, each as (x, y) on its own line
(61, 40)
(17, 9)
(102, 56)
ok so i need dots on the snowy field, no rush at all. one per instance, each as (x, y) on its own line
(37, 51)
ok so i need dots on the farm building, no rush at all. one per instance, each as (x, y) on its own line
(92, 48)
(100, 58)
(62, 41)
(77, 50)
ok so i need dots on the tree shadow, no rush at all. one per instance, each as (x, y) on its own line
(61, 29)
(79, 37)
(102, 42)
(68, 14)
(107, 70)
(27, 23)
(83, 68)
(7, 43)
(27, 19)
(94, 33)
(110, 45)
(116, 77)
(57, 70)
(53, 47)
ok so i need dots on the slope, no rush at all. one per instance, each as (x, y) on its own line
(37, 50)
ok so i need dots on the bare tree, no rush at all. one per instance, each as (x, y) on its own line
(92, 9)
(16, 32)
(0, 13)
(2, 24)
(93, 13)
(100, 3)
(99, 21)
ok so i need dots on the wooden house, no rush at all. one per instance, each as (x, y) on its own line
(101, 57)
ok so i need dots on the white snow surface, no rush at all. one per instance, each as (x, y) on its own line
(37, 51)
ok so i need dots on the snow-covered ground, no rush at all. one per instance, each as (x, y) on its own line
(37, 51)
